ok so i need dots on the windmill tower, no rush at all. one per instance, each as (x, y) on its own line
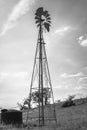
(41, 81)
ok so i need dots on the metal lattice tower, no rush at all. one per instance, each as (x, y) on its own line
(41, 80)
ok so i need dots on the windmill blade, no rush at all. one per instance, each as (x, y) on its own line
(36, 17)
(47, 26)
(48, 18)
(38, 21)
(38, 25)
(48, 21)
(45, 13)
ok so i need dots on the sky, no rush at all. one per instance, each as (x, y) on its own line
(66, 47)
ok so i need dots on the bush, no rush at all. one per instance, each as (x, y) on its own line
(69, 102)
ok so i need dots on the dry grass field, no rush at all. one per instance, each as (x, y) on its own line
(69, 118)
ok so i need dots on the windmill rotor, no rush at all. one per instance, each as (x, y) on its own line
(43, 18)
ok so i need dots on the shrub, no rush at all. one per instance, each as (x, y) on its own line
(69, 102)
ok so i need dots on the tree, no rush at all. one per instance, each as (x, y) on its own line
(37, 97)
(25, 104)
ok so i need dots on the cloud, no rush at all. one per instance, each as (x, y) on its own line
(13, 74)
(80, 38)
(82, 41)
(80, 95)
(62, 30)
(19, 10)
(76, 81)
(70, 61)
(62, 86)
(82, 82)
(65, 75)
(5, 75)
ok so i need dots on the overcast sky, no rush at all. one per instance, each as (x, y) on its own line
(66, 46)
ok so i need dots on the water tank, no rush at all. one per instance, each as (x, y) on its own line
(11, 116)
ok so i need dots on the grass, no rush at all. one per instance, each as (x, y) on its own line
(69, 118)
(72, 118)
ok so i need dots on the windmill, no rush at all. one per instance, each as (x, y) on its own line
(41, 80)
